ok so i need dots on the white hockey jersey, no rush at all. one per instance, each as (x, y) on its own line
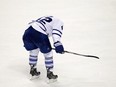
(49, 25)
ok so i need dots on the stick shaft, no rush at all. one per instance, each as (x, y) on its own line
(79, 54)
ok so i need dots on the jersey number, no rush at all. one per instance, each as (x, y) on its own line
(44, 20)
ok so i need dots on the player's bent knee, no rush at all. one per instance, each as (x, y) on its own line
(49, 54)
(45, 49)
(34, 52)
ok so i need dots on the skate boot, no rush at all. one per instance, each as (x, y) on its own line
(50, 75)
(33, 72)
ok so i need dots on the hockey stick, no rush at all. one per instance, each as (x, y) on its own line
(79, 54)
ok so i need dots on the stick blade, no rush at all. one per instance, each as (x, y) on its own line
(92, 56)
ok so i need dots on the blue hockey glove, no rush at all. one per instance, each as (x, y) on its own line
(59, 47)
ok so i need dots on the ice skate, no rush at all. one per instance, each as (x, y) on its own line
(34, 73)
(51, 77)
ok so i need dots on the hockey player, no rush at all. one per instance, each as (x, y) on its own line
(36, 38)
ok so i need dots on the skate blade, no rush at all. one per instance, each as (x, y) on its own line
(34, 77)
(51, 81)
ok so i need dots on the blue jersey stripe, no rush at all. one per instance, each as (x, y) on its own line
(48, 58)
(56, 34)
(50, 62)
(42, 25)
(42, 29)
(32, 59)
(57, 30)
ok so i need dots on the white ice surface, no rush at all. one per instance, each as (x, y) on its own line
(90, 28)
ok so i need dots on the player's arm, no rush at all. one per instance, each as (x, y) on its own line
(57, 34)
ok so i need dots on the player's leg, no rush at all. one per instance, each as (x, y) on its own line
(33, 58)
(46, 49)
(49, 65)
(32, 48)
(49, 61)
